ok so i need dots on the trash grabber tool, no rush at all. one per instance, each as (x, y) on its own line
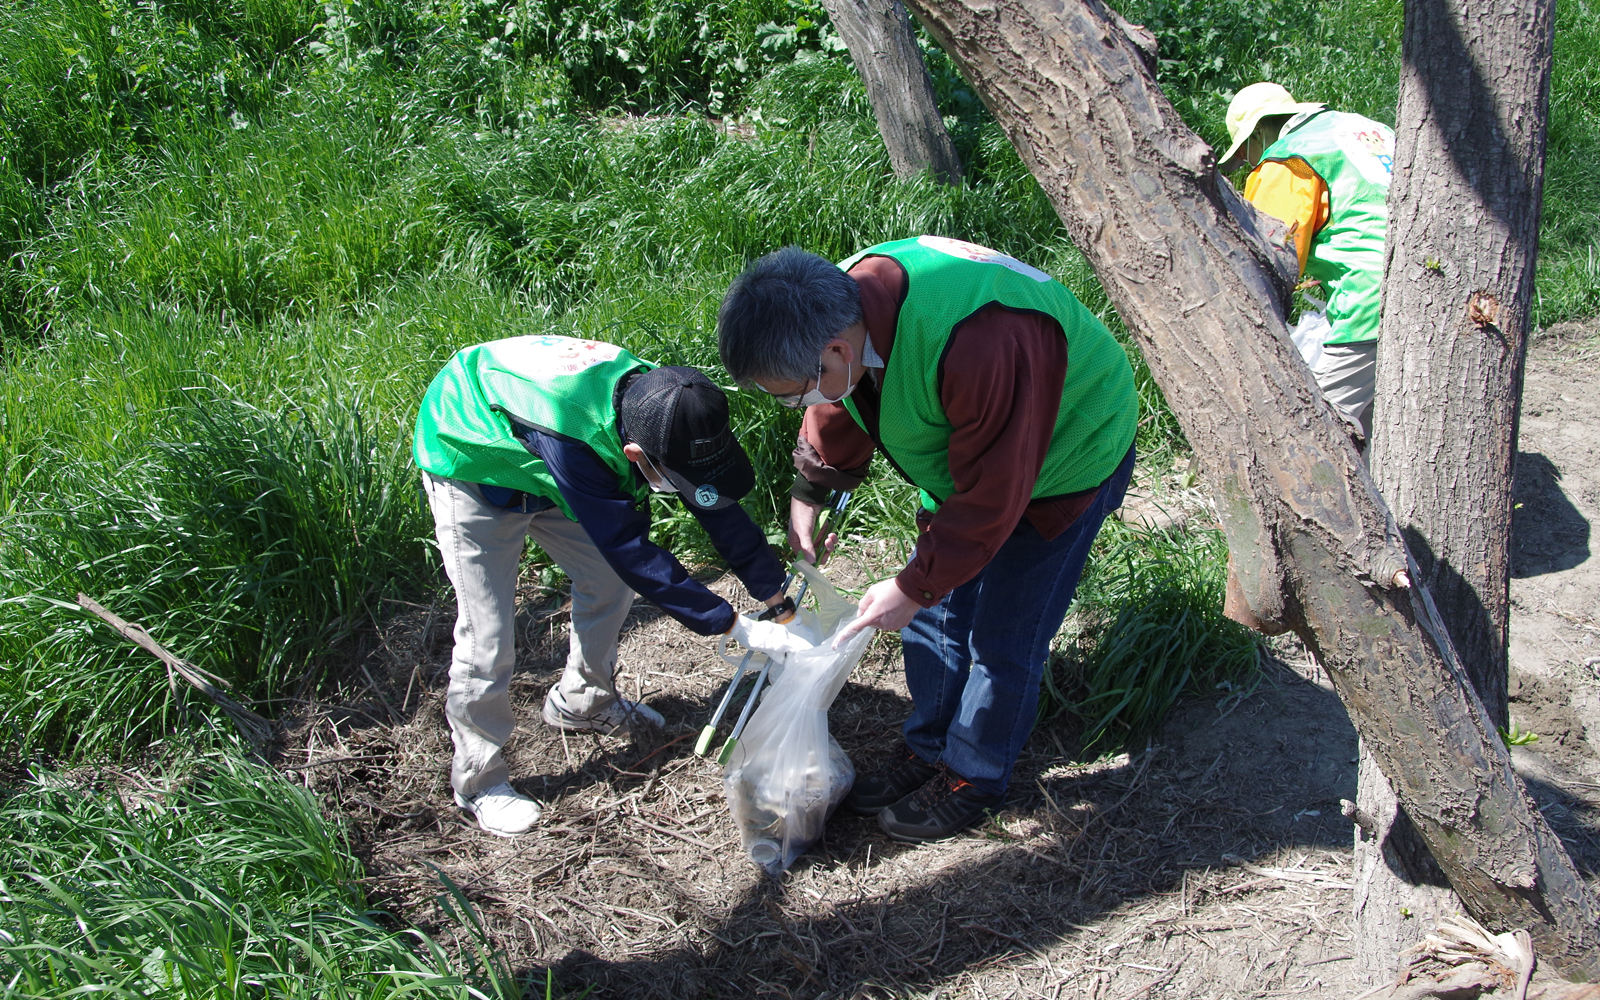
(835, 508)
(829, 518)
(744, 713)
(702, 746)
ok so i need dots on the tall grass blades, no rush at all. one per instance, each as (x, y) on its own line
(250, 530)
(249, 544)
(350, 192)
(1156, 632)
(226, 884)
(100, 78)
(90, 82)
(1569, 280)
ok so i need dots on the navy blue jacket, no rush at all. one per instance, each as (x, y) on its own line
(619, 526)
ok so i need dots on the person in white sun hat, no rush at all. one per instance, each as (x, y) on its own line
(1326, 174)
(563, 441)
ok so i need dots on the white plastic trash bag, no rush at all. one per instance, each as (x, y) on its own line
(786, 774)
(1310, 332)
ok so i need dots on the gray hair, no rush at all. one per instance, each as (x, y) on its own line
(781, 312)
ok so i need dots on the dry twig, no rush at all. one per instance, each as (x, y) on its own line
(253, 727)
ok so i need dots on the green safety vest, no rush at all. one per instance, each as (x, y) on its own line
(1354, 157)
(946, 282)
(559, 385)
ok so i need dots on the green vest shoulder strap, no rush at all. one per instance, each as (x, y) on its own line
(559, 385)
(948, 281)
(1353, 156)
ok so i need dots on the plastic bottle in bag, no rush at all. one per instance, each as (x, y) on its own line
(787, 774)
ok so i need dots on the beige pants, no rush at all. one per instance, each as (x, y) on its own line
(1347, 374)
(482, 548)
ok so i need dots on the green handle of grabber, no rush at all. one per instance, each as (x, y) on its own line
(744, 715)
(702, 746)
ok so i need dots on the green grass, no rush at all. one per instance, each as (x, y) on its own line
(219, 881)
(1150, 630)
(1569, 250)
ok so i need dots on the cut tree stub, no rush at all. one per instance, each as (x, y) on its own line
(1314, 544)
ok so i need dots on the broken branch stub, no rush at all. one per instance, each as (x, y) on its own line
(1202, 289)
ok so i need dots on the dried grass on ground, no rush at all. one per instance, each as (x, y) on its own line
(1103, 877)
(1214, 864)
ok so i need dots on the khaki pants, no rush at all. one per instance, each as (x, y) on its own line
(482, 548)
(1347, 375)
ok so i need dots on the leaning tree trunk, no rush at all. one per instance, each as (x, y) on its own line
(884, 49)
(1185, 262)
(1458, 292)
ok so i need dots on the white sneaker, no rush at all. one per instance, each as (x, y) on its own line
(616, 719)
(502, 811)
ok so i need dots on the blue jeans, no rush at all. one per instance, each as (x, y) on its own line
(975, 660)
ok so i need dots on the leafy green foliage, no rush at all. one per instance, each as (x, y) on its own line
(1515, 737)
(228, 883)
(1346, 53)
(647, 54)
(88, 79)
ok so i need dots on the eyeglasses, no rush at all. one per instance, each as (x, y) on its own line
(793, 401)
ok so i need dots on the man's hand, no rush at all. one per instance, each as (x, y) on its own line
(803, 528)
(884, 606)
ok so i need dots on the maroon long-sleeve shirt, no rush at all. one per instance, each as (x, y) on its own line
(1001, 387)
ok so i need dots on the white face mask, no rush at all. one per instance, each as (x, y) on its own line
(652, 475)
(815, 396)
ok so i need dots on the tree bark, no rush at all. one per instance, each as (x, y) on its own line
(884, 48)
(1458, 296)
(1186, 263)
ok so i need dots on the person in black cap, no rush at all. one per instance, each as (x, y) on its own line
(564, 440)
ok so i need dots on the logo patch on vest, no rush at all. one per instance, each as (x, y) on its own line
(706, 495)
(548, 355)
(983, 255)
(1370, 151)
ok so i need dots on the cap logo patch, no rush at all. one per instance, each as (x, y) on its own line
(706, 495)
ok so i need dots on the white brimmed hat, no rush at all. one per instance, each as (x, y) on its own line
(1253, 103)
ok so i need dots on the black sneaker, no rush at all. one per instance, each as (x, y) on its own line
(884, 788)
(944, 806)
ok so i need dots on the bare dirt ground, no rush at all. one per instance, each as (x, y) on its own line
(1212, 864)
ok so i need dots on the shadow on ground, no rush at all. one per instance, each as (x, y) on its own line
(1549, 533)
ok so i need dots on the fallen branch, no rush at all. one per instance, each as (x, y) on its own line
(252, 727)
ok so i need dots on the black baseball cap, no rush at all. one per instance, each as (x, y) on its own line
(680, 419)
